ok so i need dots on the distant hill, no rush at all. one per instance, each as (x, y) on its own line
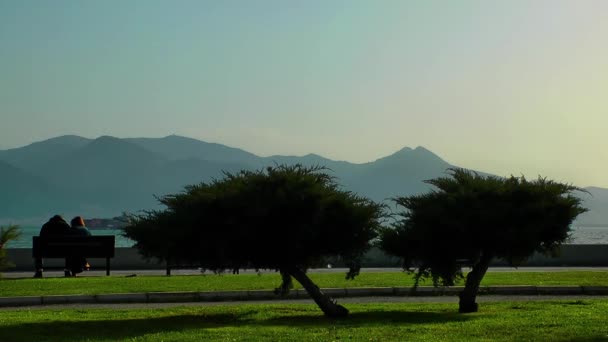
(21, 192)
(401, 173)
(106, 176)
(175, 147)
(108, 173)
(39, 154)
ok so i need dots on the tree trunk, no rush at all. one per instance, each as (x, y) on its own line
(286, 284)
(469, 293)
(326, 303)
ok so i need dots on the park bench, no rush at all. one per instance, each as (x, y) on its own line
(74, 246)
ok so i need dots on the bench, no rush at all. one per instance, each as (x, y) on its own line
(74, 246)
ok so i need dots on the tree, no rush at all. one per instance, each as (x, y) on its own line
(479, 218)
(7, 234)
(283, 218)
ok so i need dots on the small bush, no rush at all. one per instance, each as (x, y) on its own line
(7, 234)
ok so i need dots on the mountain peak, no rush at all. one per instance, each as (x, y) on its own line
(106, 142)
(175, 147)
(68, 139)
(421, 149)
(107, 146)
(403, 150)
(178, 137)
(314, 155)
(106, 138)
(417, 155)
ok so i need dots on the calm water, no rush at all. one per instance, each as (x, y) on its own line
(590, 235)
(580, 235)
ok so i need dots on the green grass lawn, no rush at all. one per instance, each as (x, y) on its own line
(516, 321)
(115, 284)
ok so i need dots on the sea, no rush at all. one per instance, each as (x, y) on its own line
(579, 236)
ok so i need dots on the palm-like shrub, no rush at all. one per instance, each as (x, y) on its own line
(477, 219)
(283, 218)
(7, 234)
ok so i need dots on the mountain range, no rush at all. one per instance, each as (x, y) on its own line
(106, 176)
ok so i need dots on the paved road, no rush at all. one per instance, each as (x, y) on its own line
(362, 300)
(54, 273)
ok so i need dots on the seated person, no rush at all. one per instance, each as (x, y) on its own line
(78, 228)
(56, 226)
(77, 264)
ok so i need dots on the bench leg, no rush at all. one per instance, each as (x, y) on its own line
(107, 266)
(168, 270)
(67, 271)
(38, 267)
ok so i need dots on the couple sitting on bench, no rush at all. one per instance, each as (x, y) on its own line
(58, 227)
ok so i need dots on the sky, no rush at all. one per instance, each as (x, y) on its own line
(506, 87)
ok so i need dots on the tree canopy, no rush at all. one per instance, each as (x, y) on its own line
(283, 218)
(474, 219)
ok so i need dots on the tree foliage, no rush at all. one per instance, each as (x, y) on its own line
(479, 218)
(284, 218)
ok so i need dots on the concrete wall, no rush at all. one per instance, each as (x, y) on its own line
(129, 259)
(574, 255)
(569, 255)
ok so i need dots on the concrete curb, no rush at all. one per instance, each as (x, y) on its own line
(215, 296)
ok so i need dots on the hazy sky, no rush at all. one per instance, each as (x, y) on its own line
(508, 87)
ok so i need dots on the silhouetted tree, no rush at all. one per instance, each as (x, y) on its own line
(284, 218)
(479, 218)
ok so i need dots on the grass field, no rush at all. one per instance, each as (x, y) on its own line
(542, 321)
(113, 284)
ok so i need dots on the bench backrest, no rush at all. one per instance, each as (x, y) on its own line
(68, 246)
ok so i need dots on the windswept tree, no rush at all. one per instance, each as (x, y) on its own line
(283, 218)
(477, 218)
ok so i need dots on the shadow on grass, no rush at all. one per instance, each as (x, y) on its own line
(132, 327)
(118, 329)
(368, 318)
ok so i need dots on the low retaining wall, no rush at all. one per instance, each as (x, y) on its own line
(572, 255)
(569, 255)
(130, 259)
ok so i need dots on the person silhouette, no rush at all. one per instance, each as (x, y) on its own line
(77, 264)
(55, 226)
